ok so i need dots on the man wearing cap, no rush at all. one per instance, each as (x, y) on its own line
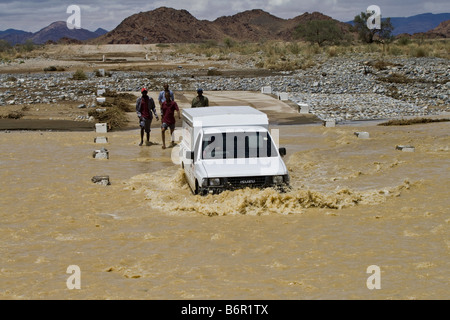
(200, 100)
(144, 108)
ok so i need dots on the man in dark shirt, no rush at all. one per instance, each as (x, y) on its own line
(168, 109)
(200, 100)
(144, 108)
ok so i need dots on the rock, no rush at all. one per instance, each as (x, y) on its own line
(101, 180)
(101, 154)
(329, 123)
(362, 135)
(283, 96)
(101, 127)
(266, 90)
(101, 140)
(406, 148)
(303, 108)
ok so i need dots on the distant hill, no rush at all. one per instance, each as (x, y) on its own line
(58, 30)
(251, 25)
(420, 23)
(13, 32)
(14, 36)
(53, 33)
(100, 31)
(167, 25)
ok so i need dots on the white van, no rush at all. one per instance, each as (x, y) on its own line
(228, 148)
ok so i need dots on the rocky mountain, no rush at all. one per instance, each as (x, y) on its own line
(162, 25)
(167, 25)
(441, 31)
(250, 25)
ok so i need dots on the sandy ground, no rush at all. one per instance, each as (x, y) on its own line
(94, 57)
(60, 117)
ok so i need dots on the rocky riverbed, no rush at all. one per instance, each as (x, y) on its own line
(341, 88)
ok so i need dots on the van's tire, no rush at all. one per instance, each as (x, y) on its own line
(197, 189)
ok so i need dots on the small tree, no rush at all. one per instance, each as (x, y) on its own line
(319, 31)
(369, 36)
(5, 46)
(229, 43)
(28, 46)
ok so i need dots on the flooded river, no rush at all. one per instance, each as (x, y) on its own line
(354, 203)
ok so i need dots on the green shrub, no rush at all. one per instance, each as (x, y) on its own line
(79, 75)
(403, 41)
(5, 46)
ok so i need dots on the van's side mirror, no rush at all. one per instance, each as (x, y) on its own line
(190, 155)
(282, 151)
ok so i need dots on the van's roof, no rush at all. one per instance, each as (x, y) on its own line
(225, 116)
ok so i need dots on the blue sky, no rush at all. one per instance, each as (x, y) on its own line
(34, 15)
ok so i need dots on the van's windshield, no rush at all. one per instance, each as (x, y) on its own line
(236, 145)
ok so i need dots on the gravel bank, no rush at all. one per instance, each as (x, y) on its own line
(339, 88)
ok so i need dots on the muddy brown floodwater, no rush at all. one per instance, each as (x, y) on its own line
(354, 203)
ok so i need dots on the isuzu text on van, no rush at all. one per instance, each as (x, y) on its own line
(228, 148)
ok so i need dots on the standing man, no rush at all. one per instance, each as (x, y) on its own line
(168, 109)
(200, 100)
(162, 95)
(144, 108)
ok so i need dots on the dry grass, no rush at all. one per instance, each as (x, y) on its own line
(417, 49)
(14, 115)
(289, 56)
(113, 116)
(117, 105)
(407, 122)
(396, 78)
